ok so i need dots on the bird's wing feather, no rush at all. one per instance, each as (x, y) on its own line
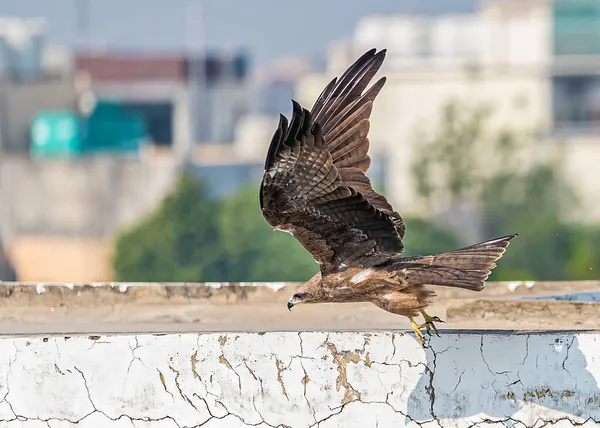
(303, 193)
(343, 111)
(467, 267)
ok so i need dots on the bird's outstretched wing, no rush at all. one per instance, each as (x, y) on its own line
(314, 185)
(343, 111)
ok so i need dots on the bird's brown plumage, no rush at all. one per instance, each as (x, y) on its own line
(315, 188)
(314, 184)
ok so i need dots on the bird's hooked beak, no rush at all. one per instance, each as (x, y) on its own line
(296, 298)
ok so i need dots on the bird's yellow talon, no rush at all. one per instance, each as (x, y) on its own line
(418, 332)
(429, 323)
(427, 328)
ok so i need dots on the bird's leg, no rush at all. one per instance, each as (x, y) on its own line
(429, 322)
(417, 331)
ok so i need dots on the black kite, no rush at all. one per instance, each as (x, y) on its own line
(315, 188)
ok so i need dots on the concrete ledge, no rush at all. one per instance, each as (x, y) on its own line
(66, 308)
(82, 294)
(547, 314)
(302, 379)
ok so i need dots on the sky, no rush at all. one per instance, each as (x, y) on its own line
(268, 29)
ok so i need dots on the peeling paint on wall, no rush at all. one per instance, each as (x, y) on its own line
(301, 380)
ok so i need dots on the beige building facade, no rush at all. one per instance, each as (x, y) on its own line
(501, 56)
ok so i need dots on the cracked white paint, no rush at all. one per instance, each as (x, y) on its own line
(301, 380)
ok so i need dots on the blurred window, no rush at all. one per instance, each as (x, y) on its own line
(576, 102)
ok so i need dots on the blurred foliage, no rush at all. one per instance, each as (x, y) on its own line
(193, 238)
(425, 237)
(177, 242)
(462, 161)
(445, 168)
(255, 251)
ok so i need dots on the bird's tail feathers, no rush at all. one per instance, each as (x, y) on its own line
(467, 267)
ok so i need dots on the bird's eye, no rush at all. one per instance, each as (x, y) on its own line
(298, 296)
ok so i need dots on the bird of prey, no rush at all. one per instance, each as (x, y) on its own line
(315, 188)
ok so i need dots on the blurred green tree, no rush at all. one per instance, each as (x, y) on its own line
(462, 161)
(256, 252)
(191, 238)
(425, 237)
(445, 169)
(584, 261)
(180, 241)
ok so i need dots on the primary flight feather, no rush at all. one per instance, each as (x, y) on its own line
(315, 188)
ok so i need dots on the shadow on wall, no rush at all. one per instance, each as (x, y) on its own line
(7, 270)
(511, 377)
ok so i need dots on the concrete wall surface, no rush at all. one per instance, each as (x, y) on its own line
(85, 197)
(307, 379)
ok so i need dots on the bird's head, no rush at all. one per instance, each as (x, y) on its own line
(309, 292)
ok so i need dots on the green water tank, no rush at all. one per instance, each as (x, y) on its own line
(111, 128)
(56, 133)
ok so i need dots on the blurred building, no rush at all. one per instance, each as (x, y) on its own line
(58, 216)
(91, 142)
(218, 88)
(26, 85)
(536, 61)
(72, 169)
(273, 85)
(185, 101)
(153, 86)
(21, 45)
